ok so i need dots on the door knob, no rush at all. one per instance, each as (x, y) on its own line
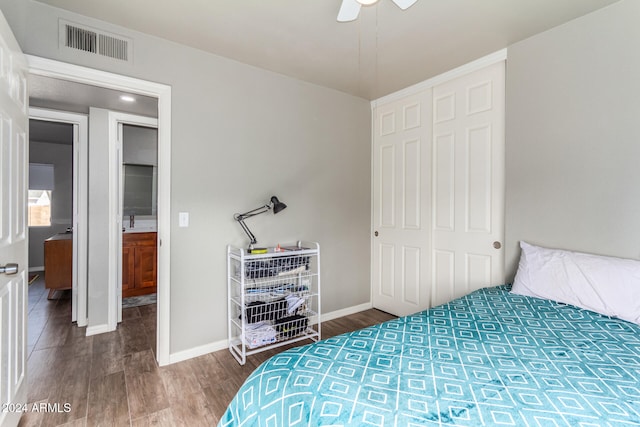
(497, 245)
(11, 268)
(375, 233)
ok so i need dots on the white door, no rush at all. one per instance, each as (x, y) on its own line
(468, 183)
(13, 228)
(401, 200)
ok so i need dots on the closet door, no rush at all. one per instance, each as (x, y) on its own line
(468, 183)
(401, 205)
(438, 193)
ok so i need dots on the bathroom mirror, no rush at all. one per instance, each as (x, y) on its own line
(138, 190)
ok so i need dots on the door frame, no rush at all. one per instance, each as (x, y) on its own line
(61, 70)
(80, 123)
(116, 193)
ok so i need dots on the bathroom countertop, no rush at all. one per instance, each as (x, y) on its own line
(140, 230)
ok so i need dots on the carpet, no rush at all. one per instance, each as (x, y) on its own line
(33, 277)
(138, 301)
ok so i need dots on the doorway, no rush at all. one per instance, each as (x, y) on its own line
(64, 133)
(101, 314)
(136, 168)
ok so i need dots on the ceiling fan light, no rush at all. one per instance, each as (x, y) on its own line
(367, 2)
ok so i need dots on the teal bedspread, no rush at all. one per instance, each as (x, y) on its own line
(489, 358)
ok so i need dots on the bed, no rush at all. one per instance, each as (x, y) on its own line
(492, 357)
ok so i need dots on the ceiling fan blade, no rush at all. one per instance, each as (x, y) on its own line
(404, 4)
(349, 10)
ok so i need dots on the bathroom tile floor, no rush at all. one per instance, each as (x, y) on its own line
(113, 379)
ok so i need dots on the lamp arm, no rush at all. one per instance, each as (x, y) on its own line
(241, 217)
(254, 212)
(252, 238)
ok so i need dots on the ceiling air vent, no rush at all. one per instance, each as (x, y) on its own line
(79, 38)
(93, 41)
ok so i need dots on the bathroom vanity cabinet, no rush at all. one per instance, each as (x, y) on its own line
(139, 264)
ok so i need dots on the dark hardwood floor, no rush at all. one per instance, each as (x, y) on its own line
(113, 379)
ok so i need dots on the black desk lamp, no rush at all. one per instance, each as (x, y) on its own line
(274, 204)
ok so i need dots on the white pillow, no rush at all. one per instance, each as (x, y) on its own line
(607, 285)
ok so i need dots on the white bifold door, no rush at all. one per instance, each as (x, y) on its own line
(401, 205)
(13, 226)
(438, 193)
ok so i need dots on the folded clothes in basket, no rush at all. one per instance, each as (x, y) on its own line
(277, 289)
(292, 325)
(258, 311)
(293, 303)
(276, 266)
(259, 334)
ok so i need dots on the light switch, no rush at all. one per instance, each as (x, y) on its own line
(183, 219)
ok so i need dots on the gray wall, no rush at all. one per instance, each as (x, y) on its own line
(61, 157)
(239, 135)
(573, 140)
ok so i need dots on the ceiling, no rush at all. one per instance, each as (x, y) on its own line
(384, 50)
(55, 94)
(51, 132)
(62, 95)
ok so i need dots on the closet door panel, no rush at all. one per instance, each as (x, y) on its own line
(479, 174)
(401, 226)
(387, 186)
(412, 175)
(444, 181)
(468, 204)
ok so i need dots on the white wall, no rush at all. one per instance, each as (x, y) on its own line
(98, 214)
(239, 135)
(573, 140)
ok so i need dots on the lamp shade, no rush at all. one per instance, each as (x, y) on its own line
(277, 205)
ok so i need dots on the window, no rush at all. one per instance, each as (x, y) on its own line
(39, 208)
(41, 178)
